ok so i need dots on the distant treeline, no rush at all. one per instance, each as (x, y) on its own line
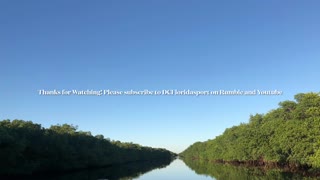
(28, 148)
(288, 136)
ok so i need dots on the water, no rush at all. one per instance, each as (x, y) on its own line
(224, 171)
(176, 170)
(166, 170)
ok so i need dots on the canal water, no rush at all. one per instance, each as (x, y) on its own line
(176, 170)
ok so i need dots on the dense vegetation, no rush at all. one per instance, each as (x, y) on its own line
(28, 148)
(286, 136)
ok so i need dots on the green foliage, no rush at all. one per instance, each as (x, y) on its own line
(289, 134)
(27, 148)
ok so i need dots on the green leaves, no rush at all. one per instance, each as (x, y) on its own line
(288, 134)
(27, 148)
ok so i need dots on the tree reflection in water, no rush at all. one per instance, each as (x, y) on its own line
(224, 171)
(124, 171)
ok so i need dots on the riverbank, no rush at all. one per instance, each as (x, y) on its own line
(287, 137)
(27, 148)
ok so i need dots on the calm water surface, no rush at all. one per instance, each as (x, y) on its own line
(176, 170)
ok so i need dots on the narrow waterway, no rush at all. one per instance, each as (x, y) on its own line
(175, 170)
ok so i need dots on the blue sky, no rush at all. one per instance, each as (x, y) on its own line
(155, 45)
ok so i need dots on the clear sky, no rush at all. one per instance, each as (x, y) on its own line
(155, 45)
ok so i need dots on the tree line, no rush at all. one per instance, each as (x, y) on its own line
(29, 148)
(286, 136)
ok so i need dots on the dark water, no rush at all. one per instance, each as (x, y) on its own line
(168, 170)
(132, 170)
(176, 170)
(224, 171)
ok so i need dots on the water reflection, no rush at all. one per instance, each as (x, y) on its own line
(177, 170)
(224, 171)
(126, 171)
